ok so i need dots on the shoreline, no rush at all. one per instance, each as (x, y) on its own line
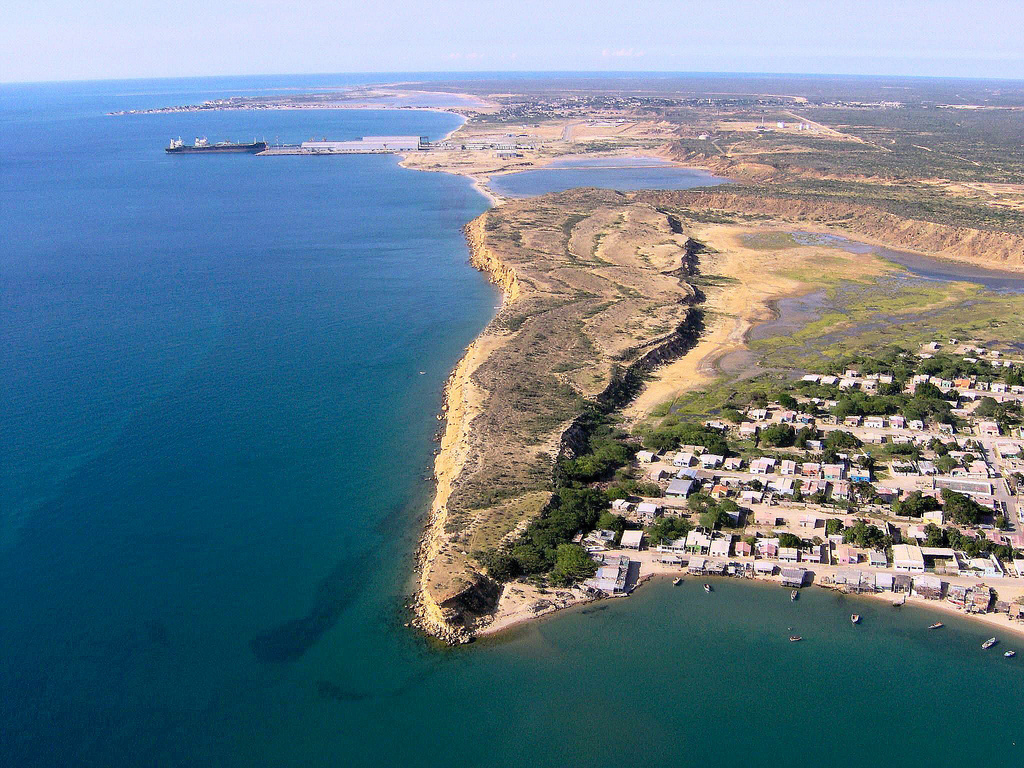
(457, 408)
(501, 626)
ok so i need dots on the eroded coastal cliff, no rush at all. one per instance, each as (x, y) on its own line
(596, 294)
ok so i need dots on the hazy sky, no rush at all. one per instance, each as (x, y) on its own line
(86, 39)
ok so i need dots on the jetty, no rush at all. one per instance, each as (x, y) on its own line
(367, 145)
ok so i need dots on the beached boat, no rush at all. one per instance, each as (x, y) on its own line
(1010, 654)
(793, 594)
(707, 587)
(855, 618)
(795, 638)
(989, 643)
(936, 625)
(676, 581)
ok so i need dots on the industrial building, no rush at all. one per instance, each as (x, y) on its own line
(365, 145)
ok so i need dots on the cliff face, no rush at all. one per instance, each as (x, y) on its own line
(995, 250)
(483, 257)
(595, 296)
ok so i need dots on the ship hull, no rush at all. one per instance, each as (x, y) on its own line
(258, 146)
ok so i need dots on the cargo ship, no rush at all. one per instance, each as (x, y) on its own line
(177, 146)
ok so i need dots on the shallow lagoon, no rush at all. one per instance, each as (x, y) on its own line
(621, 173)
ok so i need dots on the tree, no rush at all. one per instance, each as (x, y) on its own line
(915, 505)
(934, 536)
(961, 509)
(786, 400)
(666, 529)
(987, 407)
(500, 564)
(572, 563)
(778, 435)
(833, 526)
(946, 464)
(803, 435)
(864, 535)
(731, 414)
(790, 540)
(837, 439)
(609, 521)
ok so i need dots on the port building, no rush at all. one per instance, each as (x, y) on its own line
(366, 145)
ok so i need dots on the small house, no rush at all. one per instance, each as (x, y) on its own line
(632, 539)
(646, 511)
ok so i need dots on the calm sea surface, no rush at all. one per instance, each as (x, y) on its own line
(214, 433)
(623, 173)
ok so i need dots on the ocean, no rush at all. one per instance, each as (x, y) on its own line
(219, 378)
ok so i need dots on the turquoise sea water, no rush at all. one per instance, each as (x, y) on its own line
(214, 435)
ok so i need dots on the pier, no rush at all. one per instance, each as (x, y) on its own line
(367, 145)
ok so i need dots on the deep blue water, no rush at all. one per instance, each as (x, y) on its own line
(213, 439)
(622, 173)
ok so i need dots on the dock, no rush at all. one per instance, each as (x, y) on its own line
(367, 145)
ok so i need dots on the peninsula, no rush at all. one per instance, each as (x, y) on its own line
(740, 379)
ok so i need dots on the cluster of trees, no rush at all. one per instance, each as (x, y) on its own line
(713, 513)
(542, 546)
(607, 450)
(668, 436)
(790, 540)
(961, 509)
(627, 487)
(1006, 414)
(915, 505)
(666, 529)
(927, 403)
(868, 536)
(973, 547)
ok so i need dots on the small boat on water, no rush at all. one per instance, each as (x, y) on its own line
(793, 595)
(1010, 654)
(936, 625)
(855, 618)
(989, 643)
(707, 588)
(676, 581)
(795, 638)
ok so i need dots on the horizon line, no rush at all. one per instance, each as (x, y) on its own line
(498, 72)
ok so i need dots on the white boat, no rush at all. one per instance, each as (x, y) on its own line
(707, 588)
(1010, 654)
(676, 581)
(936, 625)
(793, 595)
(795, 638)
(855, 618)
(989, 643)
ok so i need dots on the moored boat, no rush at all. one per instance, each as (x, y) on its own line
(1010, 654)
(855, 618)
(793, 595)
(989, 643)
(676, 581)
(201, 145)
(707, 588)
(936, 625)
(795, 638)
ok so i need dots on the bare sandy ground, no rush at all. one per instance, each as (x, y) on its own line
(756, 278)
